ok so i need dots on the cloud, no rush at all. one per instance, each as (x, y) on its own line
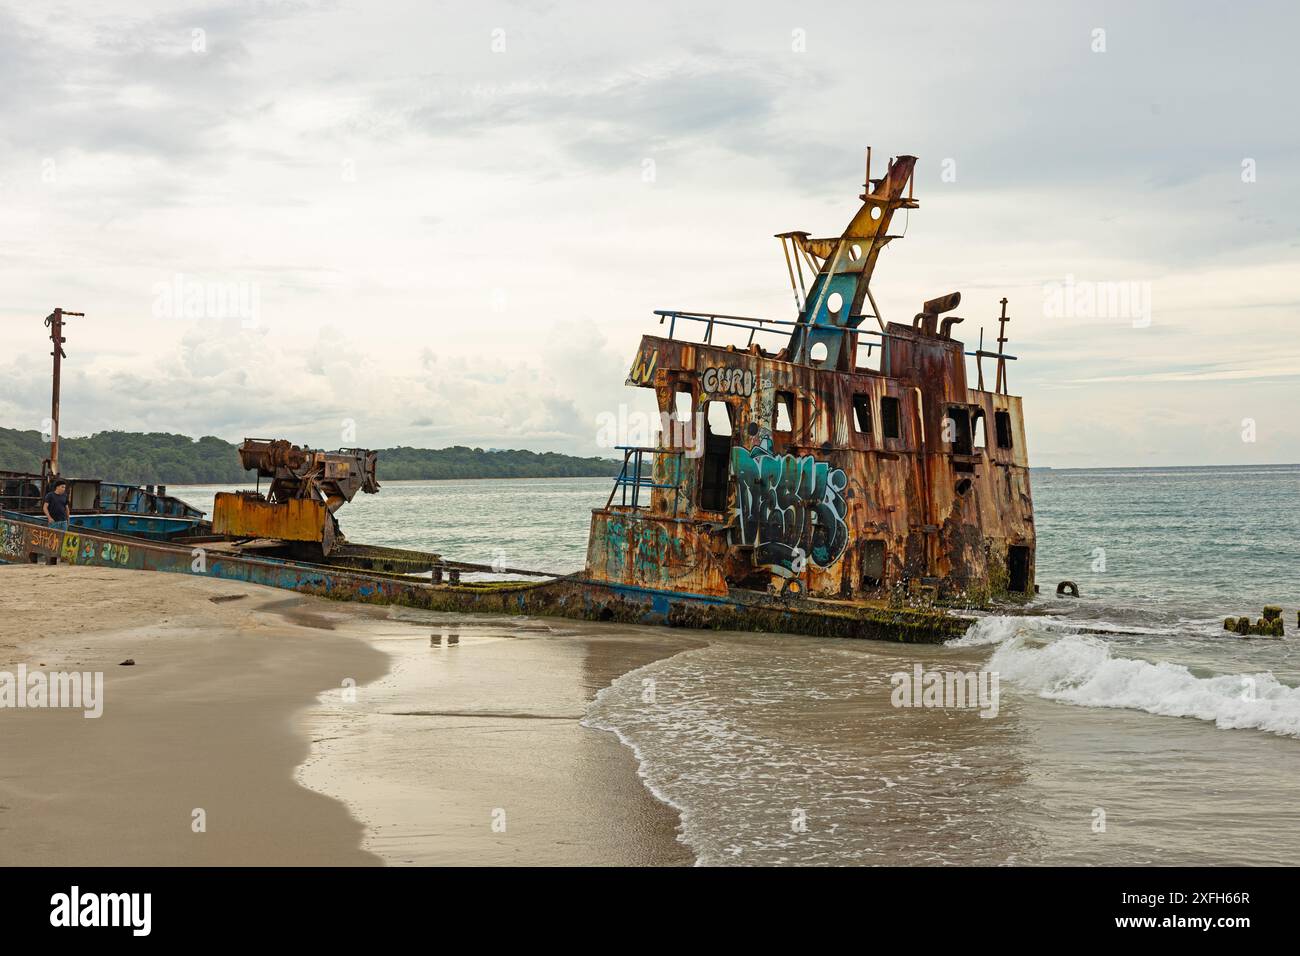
(236, 383)
(598, 119)
(382, 178)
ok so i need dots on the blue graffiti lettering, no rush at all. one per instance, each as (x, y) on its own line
(789, 510)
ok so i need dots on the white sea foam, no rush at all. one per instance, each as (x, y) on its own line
(991, 630)
(998, 629)
(598, 718)
(1081, 670)
(788, 751)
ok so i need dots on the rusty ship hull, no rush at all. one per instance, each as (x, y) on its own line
(25, 539)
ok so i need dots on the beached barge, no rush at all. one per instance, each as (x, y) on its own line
(25, 539)
(849, 482)
(145, 512)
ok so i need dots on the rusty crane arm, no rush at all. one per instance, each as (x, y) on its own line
(307, 488)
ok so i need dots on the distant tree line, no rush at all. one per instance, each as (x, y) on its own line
(129, 457)
(161, 458)
(461, 462)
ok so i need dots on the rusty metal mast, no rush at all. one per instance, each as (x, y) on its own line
(54, 322)
(1003, 319)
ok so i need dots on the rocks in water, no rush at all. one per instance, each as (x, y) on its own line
(1270, 625)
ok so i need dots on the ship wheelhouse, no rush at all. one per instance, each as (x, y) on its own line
(846, 463)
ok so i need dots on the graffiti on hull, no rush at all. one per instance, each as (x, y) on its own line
(643, 369)
(724, 380)
(647, 547)
(11, 539)
(789, 509)
(18, 541)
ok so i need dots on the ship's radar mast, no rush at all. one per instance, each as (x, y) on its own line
(841, 267)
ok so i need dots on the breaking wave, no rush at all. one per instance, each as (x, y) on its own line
(997, 629)
(1081, 670)
(991, 630)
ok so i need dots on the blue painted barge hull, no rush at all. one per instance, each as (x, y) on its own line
(156, 527)
(29, 541)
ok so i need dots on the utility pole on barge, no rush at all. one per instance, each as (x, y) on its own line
(54, 322)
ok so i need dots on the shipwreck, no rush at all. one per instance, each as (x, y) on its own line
(831, 473)
(811, 469)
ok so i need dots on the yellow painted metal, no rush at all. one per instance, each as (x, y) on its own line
(251, 516)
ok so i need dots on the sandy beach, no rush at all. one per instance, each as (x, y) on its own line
(470, 749)
(300, 731)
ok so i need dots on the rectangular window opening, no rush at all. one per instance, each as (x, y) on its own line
(959, 437)
(873, 564)
(784, 412)
(1002, 424)
(889, 417)
(714, 471)
(718, 417)
(1018, 568)
(862, 414)
(682, 404)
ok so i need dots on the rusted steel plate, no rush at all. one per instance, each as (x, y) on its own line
(846, 510)
(650, 551)
(246, 516)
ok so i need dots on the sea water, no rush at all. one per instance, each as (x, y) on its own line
(1131, 727)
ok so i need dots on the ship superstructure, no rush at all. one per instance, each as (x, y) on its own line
(848, 458)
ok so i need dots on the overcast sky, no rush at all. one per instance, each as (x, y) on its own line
(449, 223)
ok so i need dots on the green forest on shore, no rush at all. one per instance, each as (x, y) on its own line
(162, 458)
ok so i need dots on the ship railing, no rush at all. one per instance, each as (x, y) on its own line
(754, 325)
(632, 476)
(751, 324)
(21, 502)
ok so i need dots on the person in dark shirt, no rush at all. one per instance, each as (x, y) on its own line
(56, 505)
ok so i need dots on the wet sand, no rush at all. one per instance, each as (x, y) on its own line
(232, 706)
(470, 749)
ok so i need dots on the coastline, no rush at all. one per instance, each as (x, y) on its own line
(191, 761)
(239, 711)
(472, 749)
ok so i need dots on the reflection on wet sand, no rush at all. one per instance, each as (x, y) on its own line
(470, 750)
